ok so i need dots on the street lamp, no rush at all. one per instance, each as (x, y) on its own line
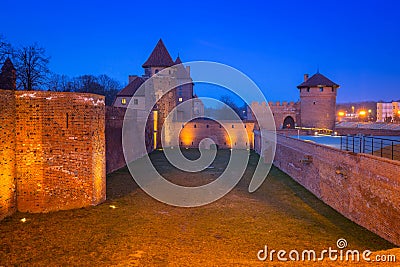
(340, 115)
(362, 114)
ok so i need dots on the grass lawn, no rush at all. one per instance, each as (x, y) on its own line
(132, 229)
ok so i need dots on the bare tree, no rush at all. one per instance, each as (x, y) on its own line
(31, 64)
(228, 100)
(89, 84)
(5, 49)
(102, 85)
(111, 88)
(59, 83)
(108, 83)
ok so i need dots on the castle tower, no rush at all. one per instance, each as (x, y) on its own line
(184, 91)
(159, 85)
(8, 76)
(318, 102)
(158, 60)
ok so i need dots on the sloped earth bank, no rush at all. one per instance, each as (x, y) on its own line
(132, 229)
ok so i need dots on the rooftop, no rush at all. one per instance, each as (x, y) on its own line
(318, 80)
(160, 57)
(132, 87)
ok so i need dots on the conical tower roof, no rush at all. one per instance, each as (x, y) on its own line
(8, 65)
(159, 57)
(178, 60)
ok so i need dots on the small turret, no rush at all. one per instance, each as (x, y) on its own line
(8, 76)
(178, 60)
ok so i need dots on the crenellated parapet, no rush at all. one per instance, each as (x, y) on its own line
(283, 112)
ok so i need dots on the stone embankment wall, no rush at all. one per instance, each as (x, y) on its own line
(363, 188)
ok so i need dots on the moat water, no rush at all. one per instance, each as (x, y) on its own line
(334, 141)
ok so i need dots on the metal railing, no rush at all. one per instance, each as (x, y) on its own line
(382, 147)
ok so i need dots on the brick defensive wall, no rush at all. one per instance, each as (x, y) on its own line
(52, 151)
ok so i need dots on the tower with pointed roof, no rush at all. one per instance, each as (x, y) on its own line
(177, 77)
(318, 102)
(8, 76)
(158, 60)
(160, 86)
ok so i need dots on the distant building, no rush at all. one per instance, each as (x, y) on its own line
(126, 95)
(387, 112)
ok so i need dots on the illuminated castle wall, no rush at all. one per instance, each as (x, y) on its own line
(286, 115)
(8, 202)
(228, 134)
(52, 151)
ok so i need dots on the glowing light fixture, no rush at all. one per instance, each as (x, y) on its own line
(341, 113)
(23, 220)
(113, 206)
(155, 122)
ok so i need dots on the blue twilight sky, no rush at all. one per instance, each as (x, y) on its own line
(354, 43)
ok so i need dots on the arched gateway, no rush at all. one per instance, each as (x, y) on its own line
(288, 123)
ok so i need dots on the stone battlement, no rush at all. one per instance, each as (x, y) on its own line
(280, 104)
(282, 112)
(256, 104)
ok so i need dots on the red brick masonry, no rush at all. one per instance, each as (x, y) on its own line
(364, 188)
(52, 151)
